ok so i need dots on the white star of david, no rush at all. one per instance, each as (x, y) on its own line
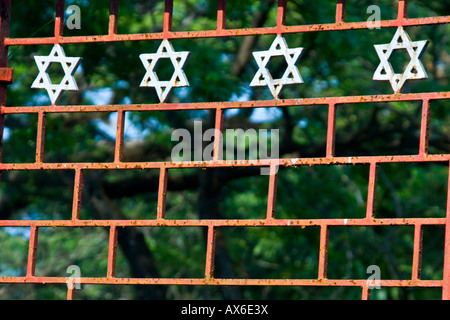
(69, 65)
(291, 75)
(150, 60)
(414, 69)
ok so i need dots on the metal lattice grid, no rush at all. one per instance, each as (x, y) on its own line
(220, 107)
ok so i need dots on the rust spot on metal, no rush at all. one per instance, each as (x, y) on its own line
(6, 75)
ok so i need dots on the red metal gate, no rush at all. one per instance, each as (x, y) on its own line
(212, 225)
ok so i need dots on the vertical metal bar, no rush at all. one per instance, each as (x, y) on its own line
(221, 14)
(446, 275)
(331, 130)
(424, 127)
(402, 9)
(5, 8)
(2, 128)
(417, 252)
(118, 152)
(271, 197)
(5, 14)
(340, 11)
(162, 192)
(31, 265)
(70, 293)
(112, 251)
(59, 18)
(281, 14)
(372, 190)
(218, 142)
(365, 293)
(113, 17)
(167, 23)
(210, 249)
(323, 251)
(40, 139)
(77, 192)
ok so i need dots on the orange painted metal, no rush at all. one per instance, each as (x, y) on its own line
(220, 107)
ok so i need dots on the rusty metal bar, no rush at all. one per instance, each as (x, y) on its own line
(6, 75)
(446, 274)
(231, 105)
(40, 139)
(331, 130)
(59, 19)
(32, 248)
(118, 151)
(70, 293)
(226, 164)
(224, 33)
(213, 224)
(113, 17)
(402, 10)
(221, 15)
(323, 251)
(417, 252)
(112, 251)
(229, 282)
(2, 128)
(424, 127)
(77, 192)
(5, 15)
(365, 292)
(218, 139)
(340, 11)
(210, 252)
(372, 189)
(162, 193)
(5, 6)
(271, 197)
(281, 14)
(167, 23)
(226, 222)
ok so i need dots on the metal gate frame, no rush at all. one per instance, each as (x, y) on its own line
(212, 225)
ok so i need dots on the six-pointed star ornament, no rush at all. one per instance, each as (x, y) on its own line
(414, 69)
(150, 60)
(291, 74)
(68, 64)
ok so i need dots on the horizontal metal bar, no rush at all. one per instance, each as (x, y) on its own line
(226, 32)
(232, 104)
(226, 282)
(226, 163)
(225, 223)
